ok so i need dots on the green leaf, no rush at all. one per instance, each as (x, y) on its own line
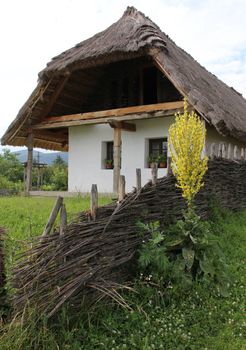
(207, 267)
(188, 255)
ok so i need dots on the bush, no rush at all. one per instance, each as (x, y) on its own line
(185, 252)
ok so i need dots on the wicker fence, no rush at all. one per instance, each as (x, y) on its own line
(91, 256)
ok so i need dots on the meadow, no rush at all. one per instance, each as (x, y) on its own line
(198, 318)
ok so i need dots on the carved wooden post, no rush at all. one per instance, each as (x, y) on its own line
(63, 219)
(138, 179)
(154, 172)
(122, 188)
(28, 186)
(94, 201)
(117, 159)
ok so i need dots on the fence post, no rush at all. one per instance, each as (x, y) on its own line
(220, 150)
(212, 150)
(94, 201)
(229, 151)
(63, 219)
(154, 171)
(169, 168)
(53, 216)
(138, 179)
(235, 153)
(122, 188)
(224, 150)
(242, 153)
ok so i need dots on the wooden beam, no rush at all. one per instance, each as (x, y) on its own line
(28, 185)
(121, 114)
(122, 125)
(117, 159)
(55, 95)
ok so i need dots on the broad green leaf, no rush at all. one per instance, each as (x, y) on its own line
(188, 255)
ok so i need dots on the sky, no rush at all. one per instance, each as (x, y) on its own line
(34, 31)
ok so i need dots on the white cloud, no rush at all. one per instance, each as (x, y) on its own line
(213, 32)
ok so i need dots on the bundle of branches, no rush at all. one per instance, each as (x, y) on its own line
(4, 306)
(96, 255)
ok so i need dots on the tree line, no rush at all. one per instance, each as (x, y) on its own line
(54, 176)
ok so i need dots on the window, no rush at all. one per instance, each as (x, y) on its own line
(158, 152)
(107, 155)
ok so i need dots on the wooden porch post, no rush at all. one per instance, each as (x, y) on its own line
(117, 159)
(28, 185)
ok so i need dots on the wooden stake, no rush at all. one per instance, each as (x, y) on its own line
(235, 153)
(122, 188)
(212, 150)
(242, 154)
(28, 186)
(154, 171)
(117, 159)
(53, 216)
(229, 151)
(169, 168)
(224, 150)
(220, 150)
(94, 201)
(138, 179)
(63, 219)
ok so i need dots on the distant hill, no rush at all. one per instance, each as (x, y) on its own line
(42, 157)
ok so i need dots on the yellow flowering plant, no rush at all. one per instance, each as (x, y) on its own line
(186, 144)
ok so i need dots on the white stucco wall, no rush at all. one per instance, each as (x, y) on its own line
(86, 154)
(86, 158)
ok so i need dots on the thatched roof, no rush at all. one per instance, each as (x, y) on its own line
(133, 36)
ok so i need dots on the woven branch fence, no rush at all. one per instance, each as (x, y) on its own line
(92, 257)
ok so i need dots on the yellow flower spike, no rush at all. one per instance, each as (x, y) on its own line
(186, 144)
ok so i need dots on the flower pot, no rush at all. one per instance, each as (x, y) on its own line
(109, 166)
(162, 165)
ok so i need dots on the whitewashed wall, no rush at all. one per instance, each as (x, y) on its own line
(86, 159)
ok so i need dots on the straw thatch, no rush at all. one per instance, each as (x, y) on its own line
(131, 38)
(97, 255)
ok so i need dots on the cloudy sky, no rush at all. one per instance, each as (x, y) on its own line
(33, 31)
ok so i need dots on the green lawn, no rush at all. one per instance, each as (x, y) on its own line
(25, 217)
(197, 319)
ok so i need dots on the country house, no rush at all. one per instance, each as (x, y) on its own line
(110, 100)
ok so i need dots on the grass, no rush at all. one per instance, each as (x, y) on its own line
(195, 319)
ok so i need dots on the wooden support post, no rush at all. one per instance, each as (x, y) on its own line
(28, 186)
(53, 216)
(63, 219)
(94, 201)
(117, 159)
(138, 179)
(154, 171)
(122, 188)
